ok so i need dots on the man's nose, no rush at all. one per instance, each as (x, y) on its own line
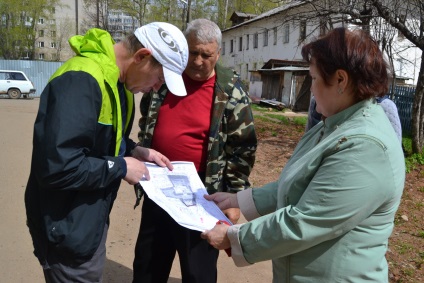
(198, 60)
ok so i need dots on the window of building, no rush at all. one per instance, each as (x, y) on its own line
(286, 33)
(275, 36)
(41, 56)
(52, 33)
(41, 33)
(52, 21)
(266, 37)
(53, 44)
(240, 43)
(231, 46)
(41, 21)
(255, 40)
(302, 31)
(52, 10)
(54, 57)
(247, 42)
(41, 44)
(223, 48)
(255, 65)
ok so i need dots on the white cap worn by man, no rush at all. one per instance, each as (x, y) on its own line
(169, 47)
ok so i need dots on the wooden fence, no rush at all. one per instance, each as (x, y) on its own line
(403, 97)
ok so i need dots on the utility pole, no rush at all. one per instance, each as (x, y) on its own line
(187, 4)
(76, 16)
(97, 14)
(188, 11)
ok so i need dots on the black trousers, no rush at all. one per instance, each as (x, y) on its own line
(158, 240)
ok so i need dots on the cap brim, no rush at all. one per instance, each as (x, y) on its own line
(174, 82)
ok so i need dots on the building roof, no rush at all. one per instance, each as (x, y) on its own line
(270, 13)
(241, 15)
(286, 68)
(275, 63)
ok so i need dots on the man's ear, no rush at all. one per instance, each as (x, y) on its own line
(141, 53)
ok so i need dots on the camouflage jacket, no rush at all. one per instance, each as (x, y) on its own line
(232, 138)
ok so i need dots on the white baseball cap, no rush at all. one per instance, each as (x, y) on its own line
(169, 47)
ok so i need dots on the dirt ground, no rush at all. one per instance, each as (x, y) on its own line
(17, 262)
(276, 143)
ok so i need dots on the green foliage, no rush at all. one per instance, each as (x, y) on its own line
(411, 159)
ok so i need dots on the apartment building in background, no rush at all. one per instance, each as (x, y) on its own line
(69, 18)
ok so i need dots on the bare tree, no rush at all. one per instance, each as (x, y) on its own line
(97, 12)
(407, 17)
(385, 20)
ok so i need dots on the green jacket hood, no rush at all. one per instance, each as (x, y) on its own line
(98, 45)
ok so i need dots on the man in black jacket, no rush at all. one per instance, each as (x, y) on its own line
(81, 144)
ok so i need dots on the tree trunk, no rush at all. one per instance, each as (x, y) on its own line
(418, 114)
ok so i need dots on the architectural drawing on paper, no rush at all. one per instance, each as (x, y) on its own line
(180, 189)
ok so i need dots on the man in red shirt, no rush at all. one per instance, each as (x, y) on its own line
(212, 126)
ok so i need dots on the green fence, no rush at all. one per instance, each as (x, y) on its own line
(403, 97)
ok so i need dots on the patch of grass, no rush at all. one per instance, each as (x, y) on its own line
(421, 235)
(408, 271)
(281, 118)
(421, 189)
(261, 108)
(300, 121)
(412, 161)
(263, 118)
(404, 248)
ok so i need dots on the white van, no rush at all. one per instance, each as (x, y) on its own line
(15, 84)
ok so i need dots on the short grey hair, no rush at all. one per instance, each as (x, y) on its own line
(205, 31)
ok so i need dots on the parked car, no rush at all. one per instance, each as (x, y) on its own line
(15, 84)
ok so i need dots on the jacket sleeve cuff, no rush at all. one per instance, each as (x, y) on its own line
(123, 166)
(247, 205)
(236, 250)
(130, 146)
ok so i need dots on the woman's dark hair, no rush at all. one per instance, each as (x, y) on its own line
(354, 52)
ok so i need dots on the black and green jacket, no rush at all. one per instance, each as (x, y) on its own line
(232, 137)
(75, 168)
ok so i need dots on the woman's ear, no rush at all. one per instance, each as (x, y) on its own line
(342, 79)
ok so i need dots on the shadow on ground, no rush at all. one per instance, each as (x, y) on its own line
(118, 273)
